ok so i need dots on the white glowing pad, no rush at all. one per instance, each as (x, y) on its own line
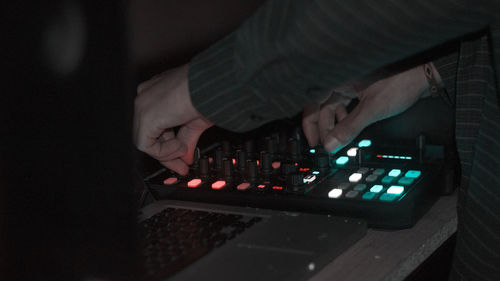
(355, 177)
(335, 193)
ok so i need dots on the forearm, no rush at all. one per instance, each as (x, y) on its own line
(290, 52)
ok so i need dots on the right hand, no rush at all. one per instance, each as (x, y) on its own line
(330, 123)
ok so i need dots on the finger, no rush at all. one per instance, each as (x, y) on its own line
(170, 149)
(176, 165)
(151, 82)
(340, 112)
(350, 126)
(310, 117)
(189, 136)
(326, 120)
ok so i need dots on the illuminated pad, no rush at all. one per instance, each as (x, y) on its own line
(342, 160)
(371, 178)
(352, 152)
(413, 174)
(194, 183)
(277, 187)
(365, 143)
(405, 181)
(355, 177)
(309, 178)
(387, 179)
(243, 186)
(335, 193)
(395, 189)
(369, 196)
(170, 181)
(218, 185)
(359, 187)
(276, 165)
(261, 186)
(351, 194)
(343, 185)
(315, 172)
(395, 172)
(388, 197)
(312, 150)
(376, 188)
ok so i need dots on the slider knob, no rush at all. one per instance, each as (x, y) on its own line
(287, 168)
(295, 179)
(227, 170)
(204, 167)
(266, 162)
(251, 172)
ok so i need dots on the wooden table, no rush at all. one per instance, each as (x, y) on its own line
(393, 255)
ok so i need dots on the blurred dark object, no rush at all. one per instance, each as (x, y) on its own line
(67, 204)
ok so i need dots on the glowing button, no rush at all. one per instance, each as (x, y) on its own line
(276, 165)
(315, 172)
(376, 188)
(413, 174)
(394, 172)
(342, 160)
(194, 183)
(170, 181)
(365, 143)
(352, 152)
(355, 177)
(309, 178)
(243, 186)
(335, 193)
(395, 189)
(218, 185)
(312, 150)
(277, 187)
(261, 186)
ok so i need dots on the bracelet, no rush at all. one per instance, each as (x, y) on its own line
(433, 85)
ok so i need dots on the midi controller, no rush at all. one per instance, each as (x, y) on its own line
(388, 185)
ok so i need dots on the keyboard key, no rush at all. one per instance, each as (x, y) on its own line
(359, 187)
(376, 188)
(371, 178)
(343, 185)
(405, 181)
(379, 172)
(413, 174)
(387, 179)
(335, 193)
(342, 160)
(388, 197)
(369, 196)
(355, 177)
(351, 194)
(395, 189)
(395, 173)
(363, 170)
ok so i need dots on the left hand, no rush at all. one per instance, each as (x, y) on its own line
(162, 104)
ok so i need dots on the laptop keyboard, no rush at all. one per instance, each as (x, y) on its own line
(175, 238)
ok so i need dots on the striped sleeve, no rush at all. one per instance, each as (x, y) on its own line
(290, 52)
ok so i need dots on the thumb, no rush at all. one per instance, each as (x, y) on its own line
(349, 127)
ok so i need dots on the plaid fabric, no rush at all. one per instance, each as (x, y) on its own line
(290, 52)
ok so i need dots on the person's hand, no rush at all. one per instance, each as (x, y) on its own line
(330, 123)
(162, 104)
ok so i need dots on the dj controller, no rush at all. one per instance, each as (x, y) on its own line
(390, 186)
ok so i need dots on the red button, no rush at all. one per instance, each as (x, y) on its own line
(194, 183)
(218, 185)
